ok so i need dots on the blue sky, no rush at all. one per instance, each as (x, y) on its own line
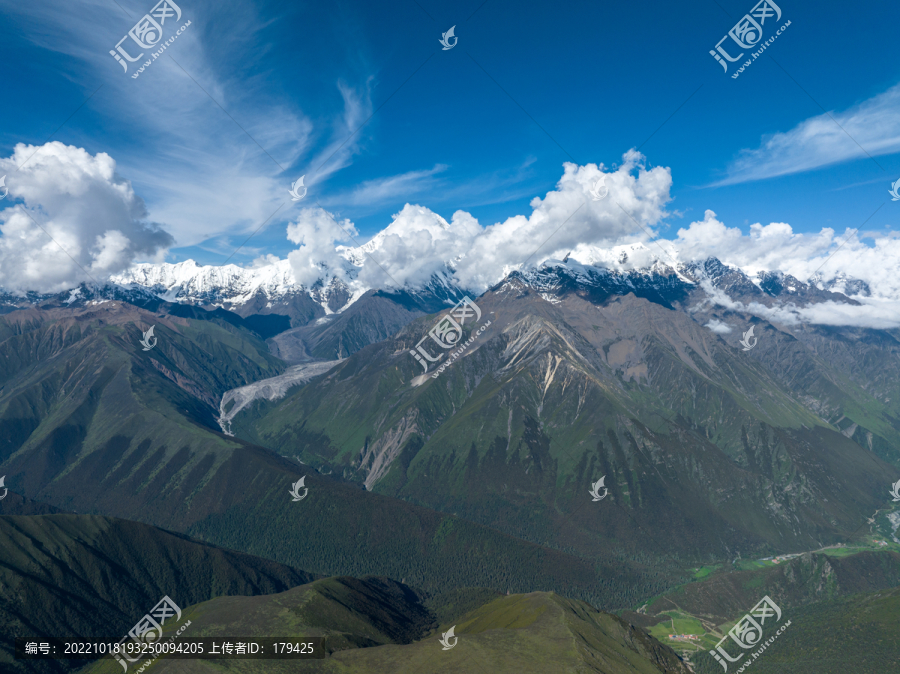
(484, 127)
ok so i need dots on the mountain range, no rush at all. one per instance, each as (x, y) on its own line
(597, 433)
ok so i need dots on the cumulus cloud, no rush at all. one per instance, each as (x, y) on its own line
(613, 232)
(264, 261)
(568, 216)
(318, 256)
(97, 223)
(419, 242)
(776, 247)
(822, 257)
(816, 142)
(415, 245)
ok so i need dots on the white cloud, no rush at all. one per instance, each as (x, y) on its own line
(419, 242)
(402, 186)
(718, 327)
(95, 215)
(264, 261)
(816, 142)
(415, 245)
(92, 214)
(318, 257)
(776, 247)
(206, 179)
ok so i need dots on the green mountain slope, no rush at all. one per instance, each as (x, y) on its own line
(92, 423)
(709, 607)
(809, 578)
(857, 634)
(16, 504)
(83, 575)
(536, 632)
(705, 452)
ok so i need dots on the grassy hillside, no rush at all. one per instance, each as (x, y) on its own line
(16, 504)
(857, 634)
(83, 575)
(709, 607)
(522, 634)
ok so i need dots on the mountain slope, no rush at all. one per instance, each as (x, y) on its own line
(844, 613)
(83, 575)
(92, 423)
(330, 319)
(704, 450)
(536, 632)
(862, 634)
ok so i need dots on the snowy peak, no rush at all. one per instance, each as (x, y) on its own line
(671, 286)
(232, 286)
(188, 280)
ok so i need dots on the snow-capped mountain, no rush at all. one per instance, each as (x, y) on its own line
(687, 284)
(700, 287)
(233, 287)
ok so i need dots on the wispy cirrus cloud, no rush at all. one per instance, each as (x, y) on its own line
(402, 186)
(872, 127)
(209, 175)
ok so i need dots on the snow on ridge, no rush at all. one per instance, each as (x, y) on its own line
(193, 278)
(188, 281)
(630, 265)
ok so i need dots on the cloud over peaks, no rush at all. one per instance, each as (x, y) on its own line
(97, 223)
(419, 242)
